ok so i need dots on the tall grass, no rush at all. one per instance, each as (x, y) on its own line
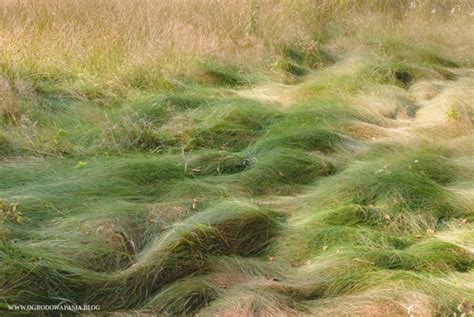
(94, 47)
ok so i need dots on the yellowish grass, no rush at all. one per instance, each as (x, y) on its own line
(89, 37)
(8, 107)
(112, 41)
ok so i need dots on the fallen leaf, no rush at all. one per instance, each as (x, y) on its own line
(14, 206)
(465, 307)
(19, 219)
(81, 164)
(194, 205)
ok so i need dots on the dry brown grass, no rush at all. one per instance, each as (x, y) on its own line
(113, 41)
(8, 102)
(94, 37)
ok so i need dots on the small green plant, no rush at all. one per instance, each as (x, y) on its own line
(460, 112)
(81, 164)
(453, 113)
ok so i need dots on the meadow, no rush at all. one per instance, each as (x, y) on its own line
(237, 158)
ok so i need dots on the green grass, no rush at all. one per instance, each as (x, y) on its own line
(192, 294)
(222, 75)
(144, 229)
(232, 187)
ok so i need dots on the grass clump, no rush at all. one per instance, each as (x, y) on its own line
(319, 236)
(233, 126)
(215, 163)
(291, 67)
(308, 52)
(298, 58)
(235, 220)
(185, 101)
(129, 134)
(321, 109)
(281, 168)
(403, 74)
(222, 75)
(184, 297)
(402, 51)
(182, 250)
(204, 189)
(30, 276)
(158, 110)
(404, 188)
(152, 171)
(394, 73)
(310, 139)
(432, 256)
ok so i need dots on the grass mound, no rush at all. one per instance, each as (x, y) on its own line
(222, 75)
(298, 58)
(180, 251)
(281, 168)
(309, 139)
(216, 163)
(192, 294)
(184, 248)
(29, 276)
(404, 74)
(233, 126)
(311, 54)
(402, 51)
(152, 171)
(433, 256)
(401, 194)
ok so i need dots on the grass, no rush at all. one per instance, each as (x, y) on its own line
(194, 294)
(237, 158)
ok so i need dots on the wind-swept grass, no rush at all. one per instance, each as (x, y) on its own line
(233, 158)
